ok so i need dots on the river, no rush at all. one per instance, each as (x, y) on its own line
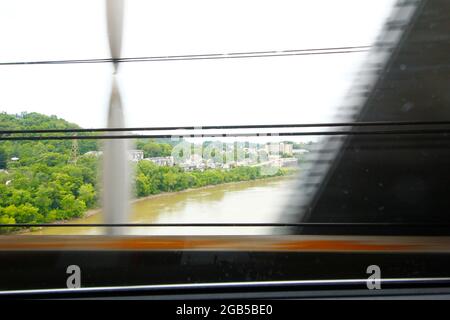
(258, 201)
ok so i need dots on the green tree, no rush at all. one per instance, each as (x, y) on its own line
(71, 207)
(154, 149)
(142, 185)
(87, 194)
(25, 213)
(4, 219)
(19, 197)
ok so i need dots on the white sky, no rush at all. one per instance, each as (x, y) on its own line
(235, 91)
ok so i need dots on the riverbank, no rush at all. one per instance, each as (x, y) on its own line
(162, 194)
(93, 212)
(256, 201)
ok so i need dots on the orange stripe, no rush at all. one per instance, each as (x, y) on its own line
(240, 243)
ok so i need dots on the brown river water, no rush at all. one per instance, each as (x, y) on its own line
(258, 201)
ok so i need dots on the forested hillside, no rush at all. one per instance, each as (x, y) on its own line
(39, 182)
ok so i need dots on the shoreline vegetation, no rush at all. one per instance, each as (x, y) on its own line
(55, 181)
(170, 193)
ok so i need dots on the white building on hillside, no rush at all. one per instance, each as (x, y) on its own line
(162, 161)
(279, 148)
(135, 155)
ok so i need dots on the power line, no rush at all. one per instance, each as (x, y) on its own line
(235, 127)
(445, 131)
(213, 56)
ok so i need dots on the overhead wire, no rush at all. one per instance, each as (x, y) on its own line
(213, 56)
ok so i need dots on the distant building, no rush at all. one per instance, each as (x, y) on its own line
(135, 155)
(271, 148)
(279, 148)
(287, 148)
(162, 161)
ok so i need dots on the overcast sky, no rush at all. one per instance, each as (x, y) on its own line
(204, 92)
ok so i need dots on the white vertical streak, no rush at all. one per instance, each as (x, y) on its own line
(116, 173)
